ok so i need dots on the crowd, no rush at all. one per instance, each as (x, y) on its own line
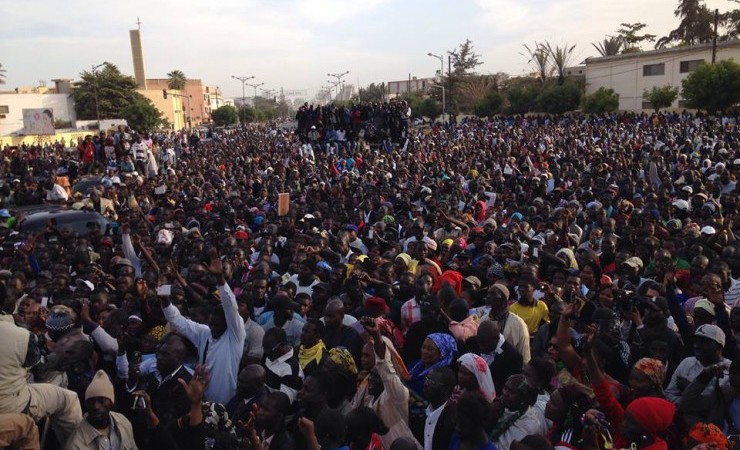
(515, 283)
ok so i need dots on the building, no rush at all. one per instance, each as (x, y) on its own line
(192, 94)
(629, 75)
(213, 99)
(171, 107)
(413, 84)
(58, 99)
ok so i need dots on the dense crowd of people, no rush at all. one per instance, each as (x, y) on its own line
(514, 283)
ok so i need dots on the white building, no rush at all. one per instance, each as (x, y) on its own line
(12, 105)
(633, 73)
(413, 84)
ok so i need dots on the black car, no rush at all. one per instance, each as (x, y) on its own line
(76, 220)
(84, 185)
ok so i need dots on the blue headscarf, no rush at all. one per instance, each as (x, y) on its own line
(447, 349)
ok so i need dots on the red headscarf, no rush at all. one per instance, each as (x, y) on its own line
(451, 277)
(654, 415)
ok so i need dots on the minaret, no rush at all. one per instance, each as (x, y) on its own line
(138, 55)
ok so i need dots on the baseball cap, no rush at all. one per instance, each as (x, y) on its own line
(706, 305)
(473, 280)
(634, 262)
(683, 205)
(712, 332)
(708, 230)
(688, 189)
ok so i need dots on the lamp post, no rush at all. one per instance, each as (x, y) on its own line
(255, 86)
(268, 92)
(244, 83)
(443, 99)
(441, 79)
(95, 78)
(339, 77)
(333, 84)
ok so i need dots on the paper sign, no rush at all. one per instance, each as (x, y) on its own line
(160, 190)
(283, 203)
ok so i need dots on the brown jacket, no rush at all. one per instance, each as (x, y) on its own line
(84, 437)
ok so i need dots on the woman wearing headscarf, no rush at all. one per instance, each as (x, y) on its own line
(641, 423)
(473, 375)
(646, 380)
(437, 350)
(343, 371)
(706, 436)
(451, 278)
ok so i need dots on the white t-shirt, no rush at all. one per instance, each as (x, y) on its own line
(57, 193)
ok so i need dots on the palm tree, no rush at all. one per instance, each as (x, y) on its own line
(539, 59)
(176, 80)
(2, 74)
(561, 57)
(610, 46)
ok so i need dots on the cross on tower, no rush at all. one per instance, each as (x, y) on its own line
(138, 23)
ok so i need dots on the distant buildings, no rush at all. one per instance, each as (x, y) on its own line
(413, 84)
(58, 99)
(633, 73)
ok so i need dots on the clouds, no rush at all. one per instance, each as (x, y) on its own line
(294, 43)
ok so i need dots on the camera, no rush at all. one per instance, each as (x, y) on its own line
(625, 300)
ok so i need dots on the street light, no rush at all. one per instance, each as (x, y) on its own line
(269, 92)
(255, 86)
(95, 78)
(338, 76)
(244, 82)
(443, 99)
(441, 79)
(333, 85)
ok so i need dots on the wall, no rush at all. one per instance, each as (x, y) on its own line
(193, 89)
(171, 107)
(61, 104)
(624, 73)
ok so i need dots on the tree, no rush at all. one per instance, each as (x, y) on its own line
(602, 101)
(490, 105)
(225, 115)
(696, 25)
(176, 80)
(2, 74)
(373, 93)
(631, 40)
(474, 90)
(661, 97)
(112, 90)
(142, 115)
(522, 99)
(610, 46)
(539, 60)
(559, 99)
(247, 114)
(713, 86)
(429, 108)
(560, 56)
(464, 60)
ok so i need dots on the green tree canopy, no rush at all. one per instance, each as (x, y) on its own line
(464, 60)
(713, 86)
(610, 46)
(522, 98)
(695, 27)
(490, 105)
(247, 114)
(661, 97)
(560, 57)
(373, 93)
(142, 115)
(539, 61)
(631, 38)
(176, 80)
(602, 101)
(559, 99)
(113, 90)
(225, 115)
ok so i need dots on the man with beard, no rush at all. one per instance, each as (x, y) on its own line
(101, 427)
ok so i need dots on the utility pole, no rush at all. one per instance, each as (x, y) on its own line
(95, 78)
(714, 38)
(244, 97)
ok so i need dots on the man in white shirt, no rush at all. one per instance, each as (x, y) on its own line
(513, 328)
(55, 192)
(440, 420)
(284, 373)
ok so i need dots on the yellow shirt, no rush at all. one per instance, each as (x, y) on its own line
(533, 315)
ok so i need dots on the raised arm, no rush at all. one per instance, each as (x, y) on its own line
(234, 322)
(195, 332)
(565, 344)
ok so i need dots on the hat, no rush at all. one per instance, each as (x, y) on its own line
(4, 213)
(708, 230)
(710, 205)
(688, 189)
(80, 283)
(351, 227)
(100, 386)
(241, 235)
(473, 280)
(123, 262)
(634, 262)
(502, 289)
(58, 323)
(706, 305)
(136, 316)
(376, 303)
(712, 332)
(431, 243)
(490, 221)
(683, 205)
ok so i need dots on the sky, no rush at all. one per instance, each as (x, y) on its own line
(294, 44)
